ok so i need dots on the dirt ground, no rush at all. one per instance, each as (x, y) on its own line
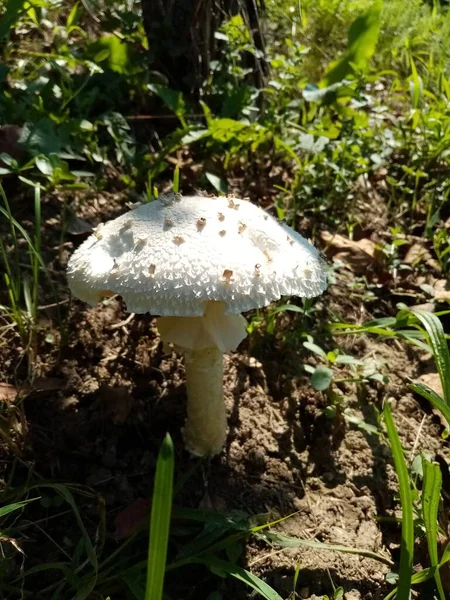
(102, 406)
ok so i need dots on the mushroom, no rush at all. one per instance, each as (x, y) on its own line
(199, 287)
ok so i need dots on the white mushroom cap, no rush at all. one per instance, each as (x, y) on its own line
(174, 255)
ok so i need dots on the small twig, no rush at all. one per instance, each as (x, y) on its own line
(53, 305)
(148, 117)
(122, 323)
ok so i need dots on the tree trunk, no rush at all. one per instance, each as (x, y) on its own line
(181, 37)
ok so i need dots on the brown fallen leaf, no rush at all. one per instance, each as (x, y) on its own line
(8, 391)
(117, 401)
(357, 255)
(131, 518)
(417, 254)
(442, 290)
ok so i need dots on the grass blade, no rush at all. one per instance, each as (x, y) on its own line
(438, 342)
(407, 541)
(434, 399)
(160, 521)
(431, 494)
(176, 179)
(224, 567)
(285, 541)
(5, 510)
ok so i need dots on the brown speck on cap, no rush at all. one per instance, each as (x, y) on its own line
(140, 243)
(267, 255)
(221, 217)
(227, 275)
(266, 217)
(258, 269)
(178, 240)
(232, 204)
(222, 233)
(152, 269)
(168, 223)
(242, 227)
(178, 197)
(127, 224)
(201, 223)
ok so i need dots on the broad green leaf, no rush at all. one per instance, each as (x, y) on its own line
(111, 49)
(362, 40)
(174, 100)
(217, 182)
(11, 14)
(407, 539)
(316, 349)
(321, 378)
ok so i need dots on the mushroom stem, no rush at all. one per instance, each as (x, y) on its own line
(206, 423)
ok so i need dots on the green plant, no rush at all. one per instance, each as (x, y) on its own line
(431, 328)
(22, 287)
(160, 521)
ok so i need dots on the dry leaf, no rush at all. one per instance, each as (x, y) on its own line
(130, 519)
(117, 402)
(7, 392)
(442, 290)
(358, 255)
(416, 253)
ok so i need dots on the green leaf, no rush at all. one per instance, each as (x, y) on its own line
(434, 399)
(407, 540)
(174, 100)
(73, 16)
(416, 90)
(113, 50)
(362, 40)
(439, 346)
(228, 568)
(321, 378)
(5, 510)
(160, 521)
(11, 14)
(316, 349)
(280, 539)
(218, 183)
(431, 494)
(42, 137)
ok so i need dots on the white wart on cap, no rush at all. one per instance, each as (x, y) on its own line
(174, 255)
